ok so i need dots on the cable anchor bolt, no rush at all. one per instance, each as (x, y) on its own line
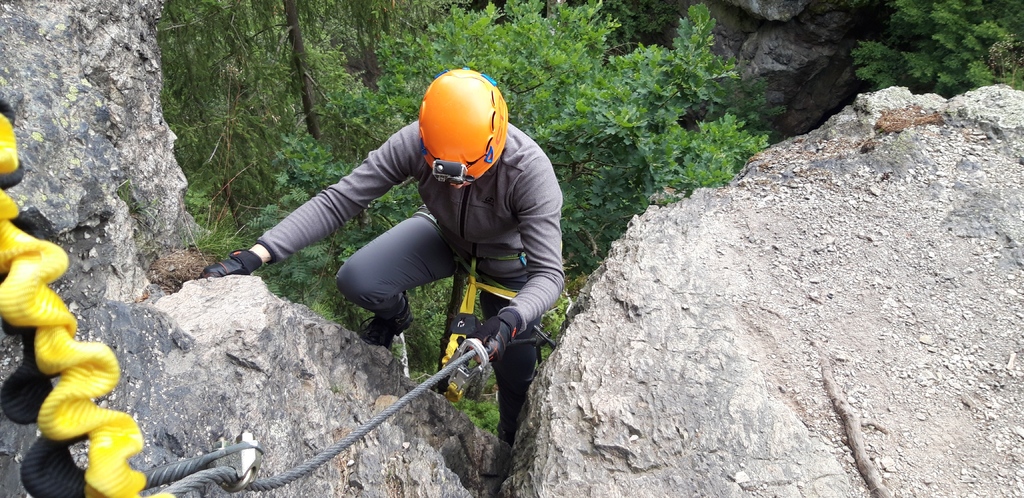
(245, 462)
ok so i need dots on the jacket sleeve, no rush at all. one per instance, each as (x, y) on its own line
(327, 211)
(537, 200)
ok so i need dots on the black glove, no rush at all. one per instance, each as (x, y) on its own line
(240, 262)
(498, 331)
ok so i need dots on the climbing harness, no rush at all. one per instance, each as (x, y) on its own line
(465, 322)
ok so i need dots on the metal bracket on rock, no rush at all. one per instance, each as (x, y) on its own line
(246, 462)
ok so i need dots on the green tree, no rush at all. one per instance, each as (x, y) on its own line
(641, 21)
(1006, 59)
(239, 74)
(216, 106)
(940, 46)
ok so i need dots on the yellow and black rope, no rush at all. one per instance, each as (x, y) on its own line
(65, 413)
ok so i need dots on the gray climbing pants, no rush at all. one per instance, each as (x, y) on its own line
(412, 254)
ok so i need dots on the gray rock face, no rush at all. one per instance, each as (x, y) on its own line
(887, 242)
(84, 80)
(248, 360)
(781, 10)
(653, 392)
(800, 48)
(224, 356)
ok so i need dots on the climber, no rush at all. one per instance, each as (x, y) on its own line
(491, 202)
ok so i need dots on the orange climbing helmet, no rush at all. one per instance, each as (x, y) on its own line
(463, 121)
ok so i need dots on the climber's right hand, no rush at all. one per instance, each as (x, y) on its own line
(240, 262)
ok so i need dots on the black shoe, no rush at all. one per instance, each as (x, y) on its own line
(382, 331)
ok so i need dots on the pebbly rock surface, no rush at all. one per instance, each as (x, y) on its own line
(887, 244)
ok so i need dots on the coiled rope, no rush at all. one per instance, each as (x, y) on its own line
(66, 414)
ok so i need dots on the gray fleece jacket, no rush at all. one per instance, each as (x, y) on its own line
(515, 207)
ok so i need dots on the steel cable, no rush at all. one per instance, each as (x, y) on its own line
(179, 470)
(192, 478)
(199, 480)
(307, 467)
